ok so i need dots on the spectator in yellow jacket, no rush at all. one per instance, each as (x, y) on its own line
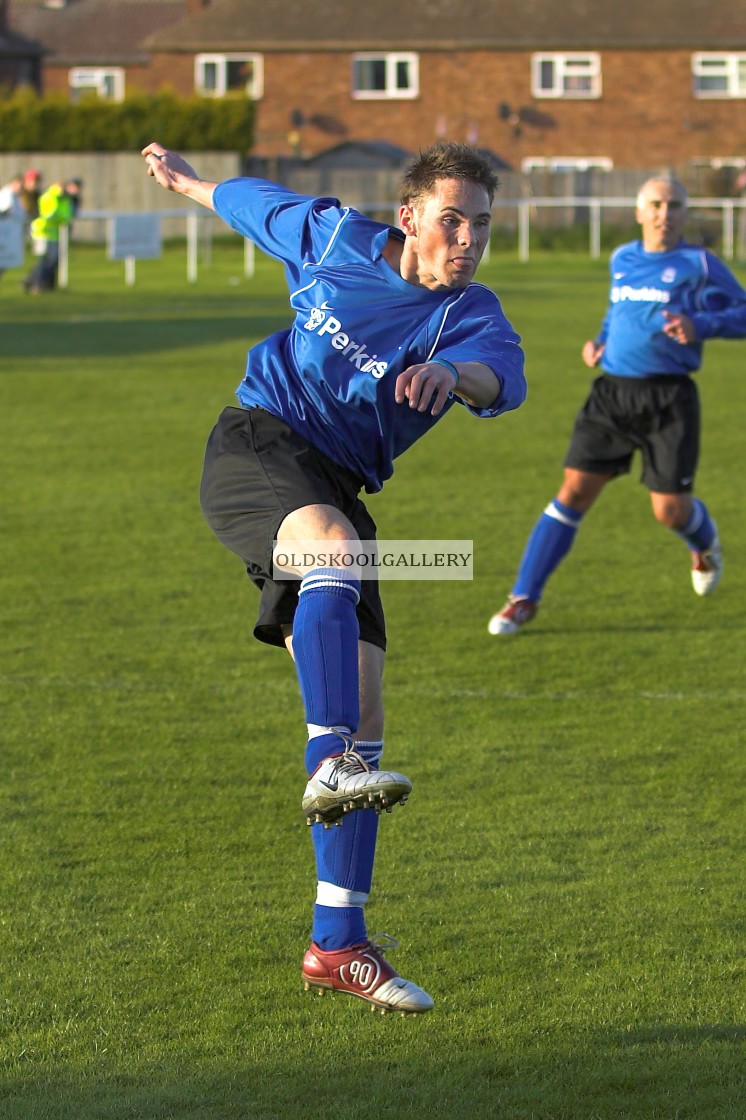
(57, 207)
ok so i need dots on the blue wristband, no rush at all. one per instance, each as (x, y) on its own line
(448, 365)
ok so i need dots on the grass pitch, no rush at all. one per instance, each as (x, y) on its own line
(567, 878)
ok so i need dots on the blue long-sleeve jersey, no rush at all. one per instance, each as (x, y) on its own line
(686, 280)
(358, 324)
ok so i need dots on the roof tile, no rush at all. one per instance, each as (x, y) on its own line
(94, 31)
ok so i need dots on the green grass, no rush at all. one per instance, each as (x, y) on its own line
(576, 911)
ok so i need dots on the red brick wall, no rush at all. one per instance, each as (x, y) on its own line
(646, 116)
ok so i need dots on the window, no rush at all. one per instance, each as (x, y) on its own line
(566, 163)
(719, 75)
(717, 163)
(216, 75)
(108, 84)
(385, 75)
(566, 75)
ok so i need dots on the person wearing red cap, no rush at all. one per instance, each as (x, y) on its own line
(31, 188)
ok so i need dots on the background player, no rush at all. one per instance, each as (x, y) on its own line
(389, 332)
(666, 298)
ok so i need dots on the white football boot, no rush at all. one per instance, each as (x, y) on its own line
(514, 615)
(707, 568)
(346, 782)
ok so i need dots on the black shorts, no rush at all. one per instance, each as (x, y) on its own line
(657, 416)
(258, 470)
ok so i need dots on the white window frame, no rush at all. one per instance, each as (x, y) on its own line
(732, 65)
(392, 60)
(567, 66)
(83, 79)
(566, 163)
(255, 88)
(716, 163)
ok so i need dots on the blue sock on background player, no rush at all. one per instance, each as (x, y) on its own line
(550, 541)
(699, 531)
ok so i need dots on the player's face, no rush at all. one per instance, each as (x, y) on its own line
(447, 232)
(661, 215)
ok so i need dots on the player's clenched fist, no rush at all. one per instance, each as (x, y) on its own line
(422, 385)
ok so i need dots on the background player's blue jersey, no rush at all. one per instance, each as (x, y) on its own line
(358, 324)
(685, 280)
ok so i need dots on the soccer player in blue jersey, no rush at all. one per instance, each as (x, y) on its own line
(666, 298)
(389, 333)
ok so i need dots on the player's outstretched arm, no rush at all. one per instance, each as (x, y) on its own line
(172, 172)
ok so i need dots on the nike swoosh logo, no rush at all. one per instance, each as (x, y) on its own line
(618, 275)
(333, 786)
(325, 306)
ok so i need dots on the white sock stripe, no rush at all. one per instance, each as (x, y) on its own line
(332, 572)
(327, 579)
(370, 749)
(313, 581)
(327, 894)
(552, 511)
(315, 729)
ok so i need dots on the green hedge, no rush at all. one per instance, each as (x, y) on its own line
(53, 124)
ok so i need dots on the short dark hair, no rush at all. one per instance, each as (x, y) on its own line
(446, 160)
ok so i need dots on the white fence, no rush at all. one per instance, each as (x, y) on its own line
(595, 207)
(199, 227)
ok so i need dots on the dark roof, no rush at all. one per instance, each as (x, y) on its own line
(378, 154)
(15, 46)
(94, 32)
(262, 25)
(122, 32)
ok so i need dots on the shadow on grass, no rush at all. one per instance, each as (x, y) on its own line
(107, 337)
(715, 1032)
(689, 625)
(659, 1073)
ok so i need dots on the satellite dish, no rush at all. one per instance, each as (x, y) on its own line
(526, 114)
(332, 125)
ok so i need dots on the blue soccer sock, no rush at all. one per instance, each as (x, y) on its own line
(344, 862)
(325, 647)
(550, 541)
(340, 925)
(699, 531)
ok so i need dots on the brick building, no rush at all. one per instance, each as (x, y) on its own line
(580, 84)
